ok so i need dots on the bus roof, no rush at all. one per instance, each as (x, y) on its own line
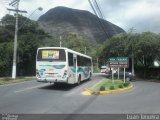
(69, 50)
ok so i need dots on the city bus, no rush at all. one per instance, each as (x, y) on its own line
(62, 65)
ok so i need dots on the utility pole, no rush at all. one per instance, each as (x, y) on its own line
(131, 30)
(60, 42)
(97, 63)
(85, 50)
(16, 10)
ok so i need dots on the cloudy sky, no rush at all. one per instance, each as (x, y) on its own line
(142, 15)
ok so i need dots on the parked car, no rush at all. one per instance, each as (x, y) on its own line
(108, 69)
(128, 75)
(103, 69)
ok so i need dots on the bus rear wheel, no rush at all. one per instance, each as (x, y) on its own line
(90, 75)
(79, 79)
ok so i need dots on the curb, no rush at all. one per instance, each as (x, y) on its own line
(87, 91)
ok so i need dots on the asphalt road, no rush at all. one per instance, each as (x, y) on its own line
(38, 98)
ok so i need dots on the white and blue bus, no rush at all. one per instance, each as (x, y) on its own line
(58, 64)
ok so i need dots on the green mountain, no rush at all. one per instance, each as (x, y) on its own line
(60, 21)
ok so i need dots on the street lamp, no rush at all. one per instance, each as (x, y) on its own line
(14, 67)
(39, 8)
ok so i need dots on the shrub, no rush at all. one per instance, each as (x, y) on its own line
(7, 79)
(126, 84)
(96, 70)
(102, 88)
(158, 78)
(120, 86)
(111, 88)
(21, 77)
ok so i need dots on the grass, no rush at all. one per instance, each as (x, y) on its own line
(96, 70)
(107, 84)
(9, 80)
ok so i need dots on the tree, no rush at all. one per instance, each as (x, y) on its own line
(145, 48)
(113, 47)
(30, 37)
(5, 58)
(78, 43)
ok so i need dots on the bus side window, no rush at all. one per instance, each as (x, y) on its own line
(70, 59)
(74, 62)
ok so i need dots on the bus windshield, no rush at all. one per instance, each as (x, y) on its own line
(51, 55)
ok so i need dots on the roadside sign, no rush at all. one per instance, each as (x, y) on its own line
(119, 62)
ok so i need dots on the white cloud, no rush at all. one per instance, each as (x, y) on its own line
(3, 8)
(48, 4)
(143, 15)
(142, 9)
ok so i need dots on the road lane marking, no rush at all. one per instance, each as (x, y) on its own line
(30, 88)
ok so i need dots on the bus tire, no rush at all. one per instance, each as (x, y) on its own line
(90, 75)
(79, 79)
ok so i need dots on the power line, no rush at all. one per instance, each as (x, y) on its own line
(99, 20)
(99, 9)
(102, 15)
(93, 8)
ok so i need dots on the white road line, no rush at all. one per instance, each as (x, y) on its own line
(30, 88)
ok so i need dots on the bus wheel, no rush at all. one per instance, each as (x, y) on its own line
(90, 76)
(79, 79)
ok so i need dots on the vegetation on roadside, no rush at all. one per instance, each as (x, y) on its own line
(30, 37)
(9, 80)
(107, 84)
(144, 46)
(96, 70)
(102, 88)
(112, 87)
